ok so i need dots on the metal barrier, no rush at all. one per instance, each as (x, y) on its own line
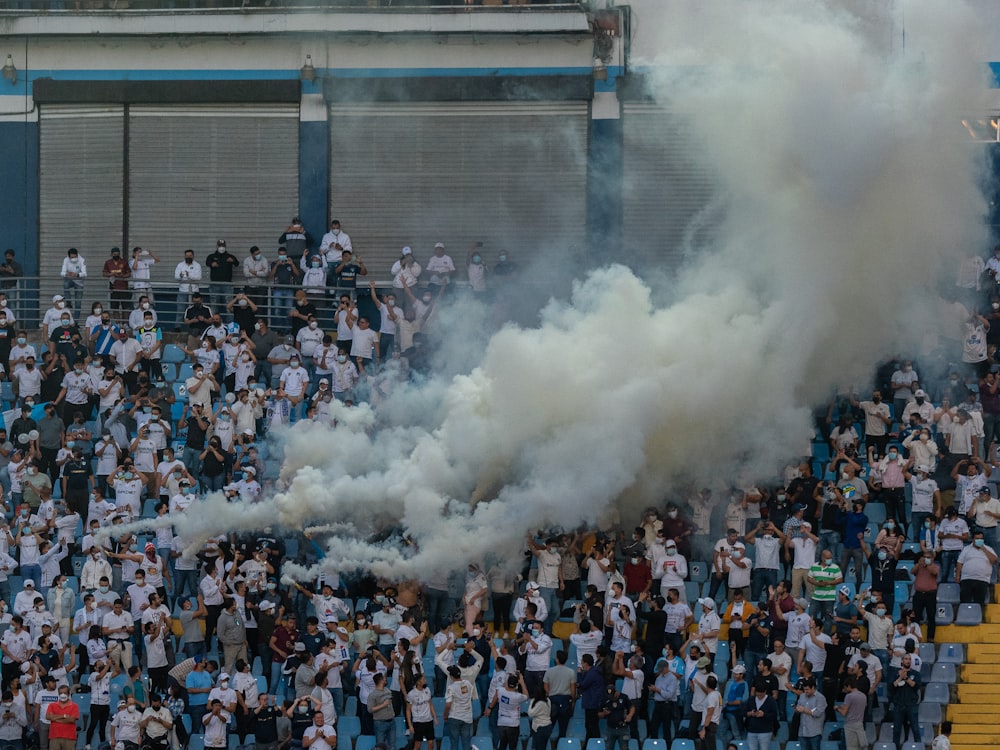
(90, 6)
(30, 297)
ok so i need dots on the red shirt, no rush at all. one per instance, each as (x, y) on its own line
(58, 730)
(637, 577)
(284, 639)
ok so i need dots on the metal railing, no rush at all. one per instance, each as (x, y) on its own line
(209, 6)
(30, 297)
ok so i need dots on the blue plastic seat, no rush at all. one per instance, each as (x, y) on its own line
(944, 672)
(174, 354)
(365, 742)
(969, 614)
(937, 692)
(944, 614)
(951, 653)
(698, 571)
(948, 593)
(569, 743)
(883, 746)
(595, 744)
(926, 653)
(930, 713)
(678, 744)
(349, 727)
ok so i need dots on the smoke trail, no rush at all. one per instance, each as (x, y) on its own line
(843, 180)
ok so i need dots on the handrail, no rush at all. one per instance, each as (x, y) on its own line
(29, 297)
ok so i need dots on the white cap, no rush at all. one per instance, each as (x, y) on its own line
(29, 582)
(57, 298)
(407, 250)
(707, 602)
(532, 586)
(223, 677)
(250, 469)
(265, 605)
(438, 244)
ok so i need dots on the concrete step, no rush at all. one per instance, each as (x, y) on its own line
(983, 738)
(983, 652)
(986, 633)
(978, 693)
(992, 613)
(979, 673)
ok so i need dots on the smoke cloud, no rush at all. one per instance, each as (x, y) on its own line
(842, 181)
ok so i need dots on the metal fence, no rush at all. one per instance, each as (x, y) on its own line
(89, 6)
(29, 298)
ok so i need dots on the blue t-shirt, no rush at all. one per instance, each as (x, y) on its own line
(198, 680)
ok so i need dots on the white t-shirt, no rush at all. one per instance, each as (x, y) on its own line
(320, 735)
(459, 695)
(294, 380)
(364, 340)
(509, 705)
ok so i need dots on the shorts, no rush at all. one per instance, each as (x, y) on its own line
(423, 730)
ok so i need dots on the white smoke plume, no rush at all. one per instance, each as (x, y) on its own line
(844, 180)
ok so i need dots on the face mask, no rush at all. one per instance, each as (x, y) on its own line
(341, 358)
(379, 598)
(60, 305)
(476, 259)
(133, 548)
(315, 264)
(336, 233)
(781, 497)
(924, 438)
(671, 551)
(145, 305)
(928, 560)
(104, 589)
(63, 697)
(927, 524)
(293, 365)
(844, 475)
(427, 299)
(980, 542)
(737, 553)
(635, 560)
(282, 257)
(882, 555)
(272, 586)
(131, 709)
(503, 258)
(880, 611)
(313, 325)
(893, 455)
(21, 340)
(890, 525)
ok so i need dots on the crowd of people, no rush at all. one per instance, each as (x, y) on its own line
(732, 614)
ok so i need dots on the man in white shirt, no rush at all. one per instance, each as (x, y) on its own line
(293, 384)
(537, 648)
(549, 578)
(188, 273)
(363, 343)
(440, 266)
(216, 723)
(334, 243)
(319, 736)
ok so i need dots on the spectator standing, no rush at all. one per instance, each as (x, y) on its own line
(11, 272)
(142, 261)
(440, 266)
(256, 270)
(284, 275)
(63, 716)
(116, 271)
(333, 245)
(220, 266)
(73, 272)
(974, 570)
(188, 274)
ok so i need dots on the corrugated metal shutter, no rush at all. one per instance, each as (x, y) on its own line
(80, 173)
(667, 189)
(198, 174)
(510, 174)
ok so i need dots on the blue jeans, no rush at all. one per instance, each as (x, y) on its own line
(457, 732)
(551, 599)
(616, 736)
(34, 572)
(185, 583)
(823, 610)
(213, 484)
(760, 579)
(811, 743)
(948, 559)
(539, 738)
(385, 733)
(278, 683)
(197, 713)
(192, 460)
(907, 715)
(281, 304)
(194, 649)
(759, 740)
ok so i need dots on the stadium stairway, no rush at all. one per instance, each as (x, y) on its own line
(975, 717)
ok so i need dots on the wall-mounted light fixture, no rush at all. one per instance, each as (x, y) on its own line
(308, 72)
(9, 71)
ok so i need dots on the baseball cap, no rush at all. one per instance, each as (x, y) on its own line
(29, 582)
(266, 605)
(300, 646)
(844, 590)
(57, 298)
(532, 586)
(920, 392)
(707, 602)
(739, 669)
(703, 662)
(438, 244)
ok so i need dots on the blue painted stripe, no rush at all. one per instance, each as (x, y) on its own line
(285, 75)
(995, 74)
